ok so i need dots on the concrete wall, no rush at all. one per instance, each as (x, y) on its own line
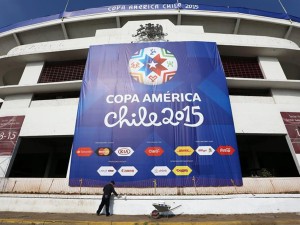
(61, 114)
(58, 118)
(253, 185)
(18, 105)
(257, 195)
(142, 205)
(253, 115)
(285, 100)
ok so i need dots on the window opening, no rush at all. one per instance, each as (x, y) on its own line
(62, 71)
(56, 95)
(241, 67)
(46, 157)
(250, 92)
(266, 156)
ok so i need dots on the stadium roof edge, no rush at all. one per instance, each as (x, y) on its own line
(63, 29)
(178, 7)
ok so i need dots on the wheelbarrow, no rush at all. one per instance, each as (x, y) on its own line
(161, 209)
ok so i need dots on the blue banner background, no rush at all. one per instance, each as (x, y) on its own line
(199, 71)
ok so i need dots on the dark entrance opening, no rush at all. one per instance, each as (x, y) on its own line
(266, 156)
(45, 157)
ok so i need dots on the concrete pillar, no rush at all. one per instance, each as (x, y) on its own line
(271, 68)
(31, 73)
(13, 104)
(285, 100)
(17, 105)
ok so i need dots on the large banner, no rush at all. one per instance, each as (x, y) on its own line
(155, 114)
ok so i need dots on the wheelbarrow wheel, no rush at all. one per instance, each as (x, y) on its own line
(155, 214)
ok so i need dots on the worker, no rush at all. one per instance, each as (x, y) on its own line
(108, 189)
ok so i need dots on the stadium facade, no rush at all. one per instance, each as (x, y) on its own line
(42, 62)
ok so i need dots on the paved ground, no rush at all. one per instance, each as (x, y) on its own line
(81, 219)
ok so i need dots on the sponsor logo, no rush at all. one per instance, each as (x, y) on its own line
(103, 151)
(182, 170)
(124, 151)
(84, 151)
(184, 151)
(153, 66)
(205, 150)
(106, 171)
(127, 171)
(154, 151)
(160, 171)
(225, 150)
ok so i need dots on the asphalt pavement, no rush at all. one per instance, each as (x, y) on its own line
(93, 219)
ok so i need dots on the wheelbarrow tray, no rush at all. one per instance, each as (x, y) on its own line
(162, 207)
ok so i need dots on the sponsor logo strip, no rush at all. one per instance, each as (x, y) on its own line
(127, 171)
(184, 150)
(84, 152)
(103, 151)
(124, 151)
(161, 170)
(205, 150)
(225, 150)
(154, 151)
(106, 171)
(182, 170)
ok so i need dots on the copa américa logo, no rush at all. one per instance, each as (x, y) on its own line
(153, 66)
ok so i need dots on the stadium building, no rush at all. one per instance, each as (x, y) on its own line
(44, 59)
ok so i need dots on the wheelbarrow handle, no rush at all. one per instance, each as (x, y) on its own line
(175, 207)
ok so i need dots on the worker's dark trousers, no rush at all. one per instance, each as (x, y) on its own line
(104, 202)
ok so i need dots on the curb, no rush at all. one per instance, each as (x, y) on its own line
(73, 222)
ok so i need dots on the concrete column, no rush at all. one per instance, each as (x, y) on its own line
(17, 105)
(48, 166)
(271, 68)
(285, 100)
(31, 73)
